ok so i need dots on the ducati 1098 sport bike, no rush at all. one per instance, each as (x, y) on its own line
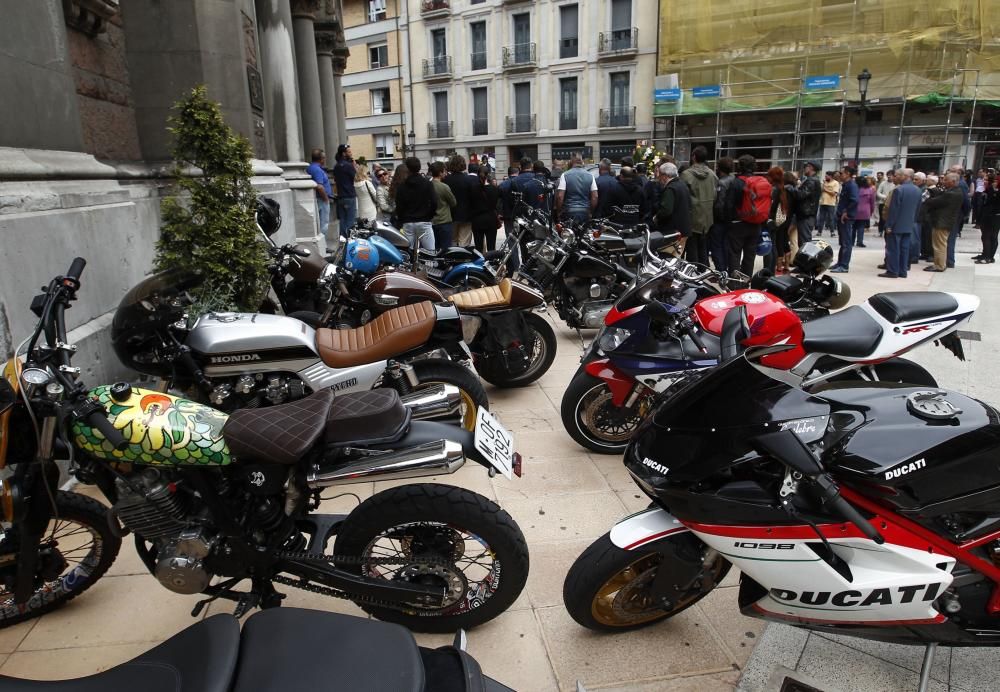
(216, 501)
(865, 509)
(247, 360)
(664, 334)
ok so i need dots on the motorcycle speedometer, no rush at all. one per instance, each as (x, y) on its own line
(36, 376)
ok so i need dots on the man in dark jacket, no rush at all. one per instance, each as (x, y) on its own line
(674, 214)
(901, 216)
(701, 181)
(627, 203)
(963, 215)
(416, 204)
(847, 210)
(607, 186)
(527, 183)
(807, 202)
(347, 197)
(461, 184)
(943, 212)
(721, 214)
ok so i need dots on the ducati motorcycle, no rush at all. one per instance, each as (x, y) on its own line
(866, 509)
(214, 501)
(286, 650)
(241, 360)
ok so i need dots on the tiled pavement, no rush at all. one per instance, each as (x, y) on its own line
(566, 499)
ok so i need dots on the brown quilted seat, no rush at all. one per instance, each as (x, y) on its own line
(485, 298)
(278, 434)
(390, 334)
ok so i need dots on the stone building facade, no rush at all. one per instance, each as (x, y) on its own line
(84, 149)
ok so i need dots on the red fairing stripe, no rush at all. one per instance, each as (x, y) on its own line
(937, 620)
(618, 382)
(654, 537)
(614, 314)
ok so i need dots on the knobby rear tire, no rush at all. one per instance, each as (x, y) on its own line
(458, 508)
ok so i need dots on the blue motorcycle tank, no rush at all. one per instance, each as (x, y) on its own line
(361, 256)
(387, 252)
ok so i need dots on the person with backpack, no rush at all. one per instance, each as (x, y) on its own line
(847, 210)
(748, 206)
(717, 238)
(701, 181)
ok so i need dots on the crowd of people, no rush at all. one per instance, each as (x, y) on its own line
(722, 214)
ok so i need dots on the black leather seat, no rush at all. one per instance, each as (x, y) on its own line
(905, 307)
(368, 417)
(851, 333)
(278, 434)
(201, 658)
(632, 244)
(325, 651)
(454, 254)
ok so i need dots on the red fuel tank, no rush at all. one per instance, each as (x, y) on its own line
(771, 323)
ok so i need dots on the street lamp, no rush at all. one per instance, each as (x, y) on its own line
(412, 137)
(395, 142)
(863, 80)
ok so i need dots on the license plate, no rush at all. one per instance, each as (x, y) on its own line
(495, 442)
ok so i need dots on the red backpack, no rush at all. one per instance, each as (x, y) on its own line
(755, 206)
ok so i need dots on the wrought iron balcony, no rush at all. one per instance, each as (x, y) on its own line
(569, 47)
(435, 8)
(568, 120)
(520, 56)
(480, 126)
(440, 130)
(512, 2)
(520, 124)
(438, 67)
(617, 117)
(618, 42)
(479, 60)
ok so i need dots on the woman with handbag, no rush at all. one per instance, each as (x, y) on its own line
(779, 221)
(365, 192)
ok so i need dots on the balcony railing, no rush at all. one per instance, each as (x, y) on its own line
(480, 126)
(618, 42)
(617, 117)
(440, 130)
(519, 56)
(520, 123)
(569, 47)
(435, 8)
(567, 121)
(511, 2)
(438, 67)
(479, 61)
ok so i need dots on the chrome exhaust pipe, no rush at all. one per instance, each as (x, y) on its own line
(435, 401)
(431, 459)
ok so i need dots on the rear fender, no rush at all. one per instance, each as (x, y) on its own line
(619, 382)
(645, 527)
(475, 268)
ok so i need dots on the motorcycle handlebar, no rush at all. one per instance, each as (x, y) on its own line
(99, 419)
(76, 269)
(693, 333)
(832, 498)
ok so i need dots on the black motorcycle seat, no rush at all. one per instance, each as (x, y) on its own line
(296, 650)
(368, 417)
(454, 254)
(904, 307)
(632, 244)
(851, 333)
(278, 434)
(200, 658)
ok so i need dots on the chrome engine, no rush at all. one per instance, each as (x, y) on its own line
(251, 391)
(150, 505)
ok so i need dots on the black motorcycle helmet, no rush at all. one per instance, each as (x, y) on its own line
(268, 215)
(814, 258)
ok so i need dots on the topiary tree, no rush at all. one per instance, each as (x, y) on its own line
(209, 224)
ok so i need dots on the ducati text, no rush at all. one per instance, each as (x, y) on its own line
(852, 598)
(656, 466)
(905, 469)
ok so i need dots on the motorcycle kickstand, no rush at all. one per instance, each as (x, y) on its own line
(925, 669)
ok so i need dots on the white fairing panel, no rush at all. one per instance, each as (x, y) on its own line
(644, 528)
(886, 584)
(899, 338)
(357, 379)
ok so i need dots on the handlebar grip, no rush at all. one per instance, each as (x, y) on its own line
(76, 269)
(833, 499)
(99, 419)
(693, 333)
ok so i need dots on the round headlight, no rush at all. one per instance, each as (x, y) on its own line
(546, 252)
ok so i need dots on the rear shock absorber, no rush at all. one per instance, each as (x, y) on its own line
(404, 378)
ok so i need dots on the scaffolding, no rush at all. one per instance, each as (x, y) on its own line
(942, 59)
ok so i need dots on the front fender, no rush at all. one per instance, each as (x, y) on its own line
(620, 383)
(645, 527)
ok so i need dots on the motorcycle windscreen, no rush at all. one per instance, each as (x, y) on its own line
(164, 293)
(707, 426)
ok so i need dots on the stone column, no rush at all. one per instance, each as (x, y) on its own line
(325, 40)
(307, 66)
(281, 93)
(339, 65)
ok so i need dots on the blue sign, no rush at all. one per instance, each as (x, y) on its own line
(713, 91)
(831, 81)
(662, 95)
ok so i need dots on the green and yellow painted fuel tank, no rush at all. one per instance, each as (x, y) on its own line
(162, 430)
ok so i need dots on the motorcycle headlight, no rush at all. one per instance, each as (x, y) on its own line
(328, 274)
(546, 252)
(613, 338)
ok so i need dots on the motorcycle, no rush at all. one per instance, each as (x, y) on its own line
(213, 500)
(240, 360)
(651, 349)
(860, 509)
(286, 650)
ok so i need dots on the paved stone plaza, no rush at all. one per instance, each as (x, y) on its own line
(566, 499)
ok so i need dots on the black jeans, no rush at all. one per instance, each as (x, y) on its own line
(742, 239)
(991, 231)
(696, 248)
